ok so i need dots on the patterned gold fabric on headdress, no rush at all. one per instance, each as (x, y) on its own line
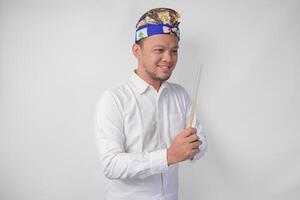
(159, 16)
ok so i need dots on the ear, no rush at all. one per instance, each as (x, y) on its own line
(137, 51)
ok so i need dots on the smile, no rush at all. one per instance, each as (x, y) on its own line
(165, 68)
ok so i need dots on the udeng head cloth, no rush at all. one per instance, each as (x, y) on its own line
(158, 21)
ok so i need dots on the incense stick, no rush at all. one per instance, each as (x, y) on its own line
(195, 94)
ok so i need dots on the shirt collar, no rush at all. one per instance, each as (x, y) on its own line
(142, 85)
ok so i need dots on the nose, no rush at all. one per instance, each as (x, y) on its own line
(167, 57)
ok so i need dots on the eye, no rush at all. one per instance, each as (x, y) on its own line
(175, 51)
(158, 50)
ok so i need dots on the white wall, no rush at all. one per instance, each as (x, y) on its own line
(56, 57)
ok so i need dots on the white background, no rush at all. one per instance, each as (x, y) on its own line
(56, 57)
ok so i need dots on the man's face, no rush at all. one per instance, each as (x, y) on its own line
(158, 56)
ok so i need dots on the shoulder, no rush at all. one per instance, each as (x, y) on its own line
(114, 95)
(115, 90)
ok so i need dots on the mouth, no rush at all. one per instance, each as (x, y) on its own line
(166, 68)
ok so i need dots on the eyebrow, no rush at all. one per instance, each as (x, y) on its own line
(175, 47)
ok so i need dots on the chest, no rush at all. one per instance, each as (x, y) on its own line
(152, 121)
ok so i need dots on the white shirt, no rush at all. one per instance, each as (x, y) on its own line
(135, 125)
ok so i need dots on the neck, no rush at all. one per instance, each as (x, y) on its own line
(143, 75)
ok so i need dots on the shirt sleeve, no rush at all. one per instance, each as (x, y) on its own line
(196, 124)
(201, 134)
(110, 139)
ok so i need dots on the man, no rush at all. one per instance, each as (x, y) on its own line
(141, 125)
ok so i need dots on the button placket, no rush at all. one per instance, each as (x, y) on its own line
(159, 121)
(160, 136)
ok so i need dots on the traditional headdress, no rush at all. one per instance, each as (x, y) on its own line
(158, 21)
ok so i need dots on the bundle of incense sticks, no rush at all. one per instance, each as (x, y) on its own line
(195, 93)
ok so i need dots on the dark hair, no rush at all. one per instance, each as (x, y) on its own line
(140, 42)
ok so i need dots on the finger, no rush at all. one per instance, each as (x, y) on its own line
(189, 131)
(186, 133)
(195, 145)
(192, 138)
(194, 130)
(193, 153)
(198, 141)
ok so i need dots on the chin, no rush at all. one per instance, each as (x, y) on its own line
(164, 78)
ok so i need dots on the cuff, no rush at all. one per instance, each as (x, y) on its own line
(158, 161)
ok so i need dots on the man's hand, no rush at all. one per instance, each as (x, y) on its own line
(184, 146)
